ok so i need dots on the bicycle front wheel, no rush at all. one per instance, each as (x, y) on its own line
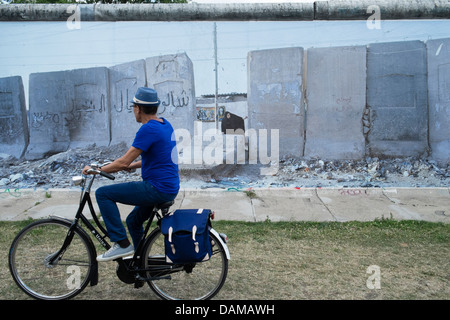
(31, 253)
(198, 281)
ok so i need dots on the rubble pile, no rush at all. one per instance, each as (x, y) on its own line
(370, 172)
(56, 171)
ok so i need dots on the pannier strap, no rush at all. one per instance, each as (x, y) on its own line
(194, 231)
(170, 234)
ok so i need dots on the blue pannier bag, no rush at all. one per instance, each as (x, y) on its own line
(186, 235)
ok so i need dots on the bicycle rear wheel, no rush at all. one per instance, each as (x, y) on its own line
(199, 281)
(31, 252)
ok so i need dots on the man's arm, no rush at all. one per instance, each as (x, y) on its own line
(134, 165)
(123, 163)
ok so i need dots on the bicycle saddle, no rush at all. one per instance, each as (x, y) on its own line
(164, 205)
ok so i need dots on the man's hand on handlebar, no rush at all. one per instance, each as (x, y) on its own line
(89, 170)
(124, 163)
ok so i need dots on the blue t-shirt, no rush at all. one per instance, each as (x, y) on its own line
(159, 155)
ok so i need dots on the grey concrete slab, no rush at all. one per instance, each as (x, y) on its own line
(14, 203)
(88, 121)
(429, 204)
(336, 95)
(28, 203)
(20, 204)
(420, 204)
(172, 76)
(289, 205)
(439, 98)
(286, 130)
(14, 134)
(275, 204)
(48, 96)
(68, 109)
(228, 205)
(355, 204)
(124, 80)
(57, 202)
(275, 96)
(397, 99)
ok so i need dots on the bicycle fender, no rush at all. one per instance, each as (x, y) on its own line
(227, 252)
(60, 218)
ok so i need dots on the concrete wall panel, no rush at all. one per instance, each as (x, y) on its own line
(439, 98)
(90, 108)
(68, 109)
(336, 95)
(48, 94)
(13, 117)
(124, 80)
(172, 76)
(397, 99)
(387, 99)
(275, 96)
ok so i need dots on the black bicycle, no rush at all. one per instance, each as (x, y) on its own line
(55, 258)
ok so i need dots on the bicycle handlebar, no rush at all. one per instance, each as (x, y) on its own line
(102, 173)
(107, 175)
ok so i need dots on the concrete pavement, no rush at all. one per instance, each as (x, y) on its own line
(276, 204)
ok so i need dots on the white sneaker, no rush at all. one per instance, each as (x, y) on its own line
(116, 252)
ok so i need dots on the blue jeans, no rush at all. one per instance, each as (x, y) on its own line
(140, 194)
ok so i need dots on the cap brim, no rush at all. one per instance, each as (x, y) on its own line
(145, 103)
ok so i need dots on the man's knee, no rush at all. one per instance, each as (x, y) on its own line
(101, 193)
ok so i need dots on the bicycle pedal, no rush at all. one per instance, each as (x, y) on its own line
(139, 284)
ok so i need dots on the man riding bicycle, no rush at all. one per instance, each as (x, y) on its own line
(155, 143)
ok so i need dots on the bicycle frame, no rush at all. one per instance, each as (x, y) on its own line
(76, 248)
(99, 235)
(84, 199)
(133, 266)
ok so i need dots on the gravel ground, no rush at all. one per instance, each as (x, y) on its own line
(57, 170)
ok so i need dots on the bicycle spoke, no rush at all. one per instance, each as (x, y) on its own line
(32, 251)
(201, 281)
